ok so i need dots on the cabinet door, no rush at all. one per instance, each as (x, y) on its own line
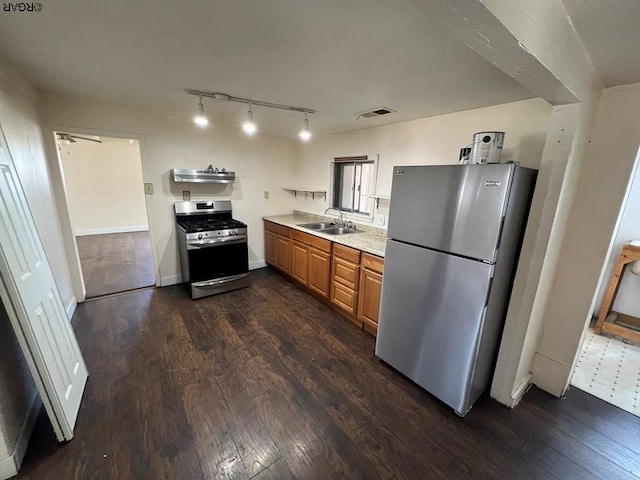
(270, 247)
(319, 271)
(300, 262)
(282, 253)
(369, 299)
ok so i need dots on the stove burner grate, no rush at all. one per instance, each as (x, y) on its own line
(210, 225)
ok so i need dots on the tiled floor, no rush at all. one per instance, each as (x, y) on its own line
(609, 369)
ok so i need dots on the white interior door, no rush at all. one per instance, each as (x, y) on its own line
(30, 295)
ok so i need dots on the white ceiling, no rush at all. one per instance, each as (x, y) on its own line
(338, 57)
(610, 33)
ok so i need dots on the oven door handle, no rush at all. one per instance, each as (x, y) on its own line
(213, 283)
(217, 242)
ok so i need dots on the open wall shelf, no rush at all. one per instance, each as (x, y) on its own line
(377, 198)
(306, 191)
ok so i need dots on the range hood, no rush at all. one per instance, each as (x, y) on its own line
(209, 175)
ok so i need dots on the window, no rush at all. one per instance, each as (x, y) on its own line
(354, 181)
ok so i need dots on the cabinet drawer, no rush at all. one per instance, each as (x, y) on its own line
(343, 297)
(274, 227)
(317, 242)
(345, 272)
(350, 254)
(300, 236)
(371, 262)
(320, 244)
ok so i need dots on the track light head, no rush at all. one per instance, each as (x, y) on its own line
(200, 119)
(305, 133)
(249, 125)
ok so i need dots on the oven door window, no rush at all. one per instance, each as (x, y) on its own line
(208, 263)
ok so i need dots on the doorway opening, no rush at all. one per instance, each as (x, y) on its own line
(107, 208)
(608, 365)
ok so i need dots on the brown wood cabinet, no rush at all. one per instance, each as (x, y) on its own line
(300, 262)
(319, 271)
(277, 246)
(344, 281)
(311, 261)
(283, 253)
(269, 247)
(369, 292)
(347, 278)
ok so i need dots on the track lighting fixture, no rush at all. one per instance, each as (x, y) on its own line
(249, 125)
(200, 118)
(305, 133)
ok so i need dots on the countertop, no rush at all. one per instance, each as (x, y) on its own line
(368, 239)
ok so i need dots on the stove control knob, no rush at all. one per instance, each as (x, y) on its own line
(235, 232)
(199, 236)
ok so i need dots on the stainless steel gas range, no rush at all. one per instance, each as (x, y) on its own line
(213, 247)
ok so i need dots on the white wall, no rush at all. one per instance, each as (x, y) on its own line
(600, 188)
(19, 120)
(628, 297)
(262, 163)
(105, 191)
(426, 141)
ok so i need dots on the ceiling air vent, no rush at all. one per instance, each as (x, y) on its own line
(375, 112)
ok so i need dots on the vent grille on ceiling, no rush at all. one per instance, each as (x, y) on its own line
(375, 112)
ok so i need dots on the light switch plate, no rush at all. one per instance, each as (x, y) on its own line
(266, 195)
(186, 195)
(148, 188)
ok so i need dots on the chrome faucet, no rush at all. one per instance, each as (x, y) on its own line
(341, 220)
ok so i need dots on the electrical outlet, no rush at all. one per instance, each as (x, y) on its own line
(148, 188)
(381, 220)
(266, 195)
(186, 195)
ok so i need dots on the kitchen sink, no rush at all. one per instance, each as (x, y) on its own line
(338, 230)
(317, 226)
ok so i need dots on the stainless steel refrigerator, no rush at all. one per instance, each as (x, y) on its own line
(454, 237)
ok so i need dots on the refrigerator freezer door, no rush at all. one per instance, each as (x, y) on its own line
(451, 208)
(431, 318)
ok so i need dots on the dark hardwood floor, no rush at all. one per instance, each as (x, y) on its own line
(268, 383)
(115, 262)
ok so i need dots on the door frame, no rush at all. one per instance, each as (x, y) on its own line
(62, 204)
(633, 178)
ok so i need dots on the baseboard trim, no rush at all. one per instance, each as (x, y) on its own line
(170, 280)
(10, 466)
(257, 264)
(520, 390)
(80, 232)
(71, 308)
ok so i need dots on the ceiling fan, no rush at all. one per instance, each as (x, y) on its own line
(68, 138)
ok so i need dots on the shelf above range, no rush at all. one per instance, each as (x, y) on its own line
(182, 175)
